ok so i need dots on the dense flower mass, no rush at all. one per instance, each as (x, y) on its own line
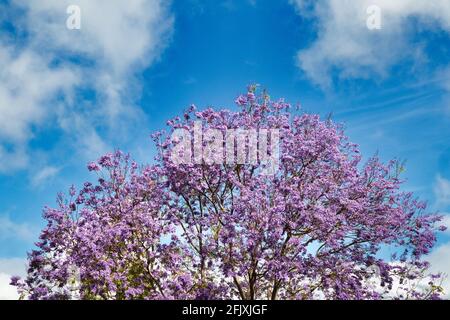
(317, 228)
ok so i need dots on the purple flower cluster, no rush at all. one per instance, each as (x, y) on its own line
(196, 231)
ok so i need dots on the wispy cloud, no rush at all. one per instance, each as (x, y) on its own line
(441, 192)
(28, 86)
(43, 75)
(10, 229)
(346, 48)
(43, 175)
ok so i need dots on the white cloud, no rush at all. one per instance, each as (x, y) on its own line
(120, 38)
(440, 262)
(27, 87)
(9, 267)
(39, 78)
(122, 33)
(346, 47)
(7, 292)
(442, 191)
(14, 266)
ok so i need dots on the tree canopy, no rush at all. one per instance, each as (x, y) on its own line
(317, 227)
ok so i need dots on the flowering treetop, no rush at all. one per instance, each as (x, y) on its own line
(202, 229)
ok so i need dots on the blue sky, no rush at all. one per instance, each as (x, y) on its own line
(67, 96)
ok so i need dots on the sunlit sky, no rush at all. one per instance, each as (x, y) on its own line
(68, 96)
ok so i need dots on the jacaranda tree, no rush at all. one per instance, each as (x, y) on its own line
(319, 226)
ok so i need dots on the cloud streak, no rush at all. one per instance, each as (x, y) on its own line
(44, 175)
(10, 229)
(442, 191)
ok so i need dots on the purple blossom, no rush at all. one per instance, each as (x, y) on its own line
(15, 280)
(241, 100)
(222, 231)
(92, 166)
